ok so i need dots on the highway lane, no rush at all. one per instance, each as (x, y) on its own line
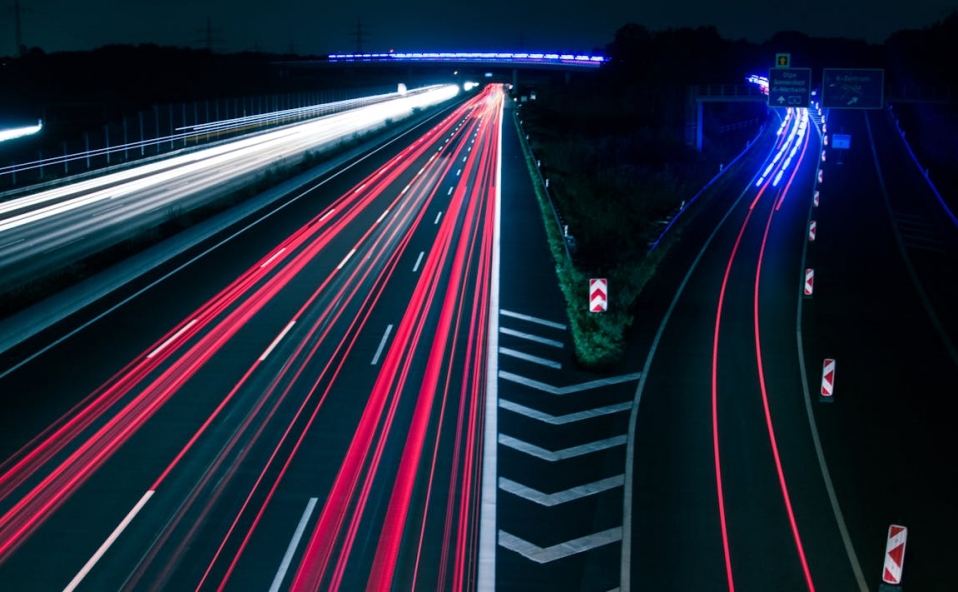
(725, 474)
(47, 230)
(214, 356)
(888, 436)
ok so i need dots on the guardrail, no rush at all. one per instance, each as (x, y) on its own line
(186, 136)
(687, 204)
(729, 90)
(560, 222)
(563, 228)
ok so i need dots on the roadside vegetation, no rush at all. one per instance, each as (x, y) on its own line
(614, 151)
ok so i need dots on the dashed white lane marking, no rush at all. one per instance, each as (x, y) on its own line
(171, 339)
(418, 261)
(293, 544)
(382, 344)
(277, 340)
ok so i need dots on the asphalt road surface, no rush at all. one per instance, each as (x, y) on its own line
(727, 489)
(49, 229)
(306, 408)
(300, 409)
(744, 477)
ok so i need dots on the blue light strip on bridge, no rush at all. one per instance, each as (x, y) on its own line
(564, 59)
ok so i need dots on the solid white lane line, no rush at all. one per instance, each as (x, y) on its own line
(270, 260)
(171, 339)
(560, 497)
(530, 337)
(567, 390)
(439, 215)
(567, 418)
(530, 358)
(562, 550)
(486, 569)
(531, 319)
(382, 344)
(293, 543)
(415, 267)
(565, 453)
(108, 542)
(343, 262)
(277, 340)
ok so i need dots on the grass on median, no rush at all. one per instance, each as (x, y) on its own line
(599, 339)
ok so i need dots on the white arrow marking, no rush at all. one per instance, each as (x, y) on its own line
(562, 550)
(560, 497)
(564, 419)
(566, 390)
(565, 453)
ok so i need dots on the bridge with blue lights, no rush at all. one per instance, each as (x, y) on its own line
(499, 64)
(561, 60)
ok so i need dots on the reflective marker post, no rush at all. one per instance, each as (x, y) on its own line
(894, 558)
(828, 381)
(598, 295)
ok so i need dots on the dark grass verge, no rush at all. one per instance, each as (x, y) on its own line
(599, 339)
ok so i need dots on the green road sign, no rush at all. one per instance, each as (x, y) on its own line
(853, 88)
(789, 87)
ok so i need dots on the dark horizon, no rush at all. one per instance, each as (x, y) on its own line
(57, 26)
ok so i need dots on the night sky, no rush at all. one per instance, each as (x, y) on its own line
(321, 27)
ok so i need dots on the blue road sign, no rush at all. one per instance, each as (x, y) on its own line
(853, 88)
(789, 87)
(842, 141)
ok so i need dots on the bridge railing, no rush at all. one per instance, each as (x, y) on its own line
(728, 90)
